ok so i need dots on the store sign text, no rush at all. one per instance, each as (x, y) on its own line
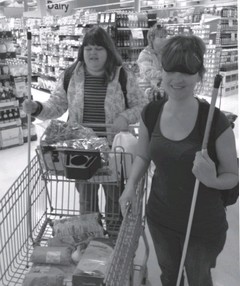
(51, 5)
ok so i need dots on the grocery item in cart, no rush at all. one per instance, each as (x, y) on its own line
(59, 131)
(40, 275)
(82, 228)
(60, 136)
(66, 241)
(93, 264)
(52, 255)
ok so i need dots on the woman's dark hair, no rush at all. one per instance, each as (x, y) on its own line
(98, 36)
(184, 53)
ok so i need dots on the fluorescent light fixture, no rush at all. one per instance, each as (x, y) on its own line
(106, 4)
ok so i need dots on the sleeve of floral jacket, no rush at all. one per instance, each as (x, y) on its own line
(57, 104)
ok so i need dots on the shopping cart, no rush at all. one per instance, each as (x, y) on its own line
(122, 269)
(26, 217)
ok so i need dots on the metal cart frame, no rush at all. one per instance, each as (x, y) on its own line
(25, 221)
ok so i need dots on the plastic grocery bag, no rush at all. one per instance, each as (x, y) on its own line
(123, 153)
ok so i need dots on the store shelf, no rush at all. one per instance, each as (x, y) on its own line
(36, 86)
(12, 103)
(132, 28)
(10, 124)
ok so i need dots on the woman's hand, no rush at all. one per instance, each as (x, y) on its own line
(29, 106)
(127, 198)
(204, 169)
(120, 124)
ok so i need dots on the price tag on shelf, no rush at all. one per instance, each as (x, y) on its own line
(137, 33)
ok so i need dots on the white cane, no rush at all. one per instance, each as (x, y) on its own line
(217, 82)
(29, 218)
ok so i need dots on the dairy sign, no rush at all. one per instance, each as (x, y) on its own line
(54, 7)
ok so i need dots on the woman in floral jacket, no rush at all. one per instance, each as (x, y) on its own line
(149, 62)
(94, 94)
(98, 58)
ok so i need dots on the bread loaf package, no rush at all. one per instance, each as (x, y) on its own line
(52, 255)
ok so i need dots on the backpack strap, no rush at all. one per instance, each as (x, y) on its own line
(123, 82)
(67, 75)
(151, 114)
(203, 110)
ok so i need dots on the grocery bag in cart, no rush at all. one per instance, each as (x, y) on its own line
(124, 141)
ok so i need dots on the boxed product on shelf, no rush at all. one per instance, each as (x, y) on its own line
(12, 136)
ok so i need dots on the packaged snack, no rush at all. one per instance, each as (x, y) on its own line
(82, 228)
(93, 263)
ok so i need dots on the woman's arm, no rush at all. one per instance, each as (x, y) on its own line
(228, 166)
(139, 168)
(226, 175)
(57, 104)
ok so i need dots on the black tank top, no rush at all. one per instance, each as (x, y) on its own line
(173, 184)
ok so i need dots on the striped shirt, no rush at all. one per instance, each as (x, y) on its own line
(94, 97)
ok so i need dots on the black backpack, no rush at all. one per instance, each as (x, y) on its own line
(229, 196)
(122, 80)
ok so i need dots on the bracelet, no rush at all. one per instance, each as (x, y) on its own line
(39, 109)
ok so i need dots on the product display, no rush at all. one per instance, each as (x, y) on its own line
(11, 133)
(229, 56)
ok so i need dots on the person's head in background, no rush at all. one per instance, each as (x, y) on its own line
(156, 36)
(99, 53)
(183, 64)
